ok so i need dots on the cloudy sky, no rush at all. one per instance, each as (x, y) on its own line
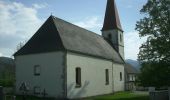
(20, 19)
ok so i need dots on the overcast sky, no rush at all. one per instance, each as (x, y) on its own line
(20, 19)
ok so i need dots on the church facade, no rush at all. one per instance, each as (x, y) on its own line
(62, 60)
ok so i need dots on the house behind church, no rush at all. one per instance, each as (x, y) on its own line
(131, 74)
(67, 61)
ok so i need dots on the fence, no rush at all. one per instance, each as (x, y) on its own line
(159, 95)
(4, 96)
(9, 97)
(1, 93)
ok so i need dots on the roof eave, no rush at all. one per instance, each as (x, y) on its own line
(95, 56)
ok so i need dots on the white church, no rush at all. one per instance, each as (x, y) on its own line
(67, 61)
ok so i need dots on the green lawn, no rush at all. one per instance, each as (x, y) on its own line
(116, 96)
(123, 96)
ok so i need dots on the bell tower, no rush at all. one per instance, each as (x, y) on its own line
(112, 29)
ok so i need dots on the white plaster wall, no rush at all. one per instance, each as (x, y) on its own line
(114, 35)
(92, 76)
(51, 77)
(116, 39)
(118, 84)
(121, 51)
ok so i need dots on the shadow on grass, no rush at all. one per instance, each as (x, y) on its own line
(133, 98)
(33, 98)
(122, 96)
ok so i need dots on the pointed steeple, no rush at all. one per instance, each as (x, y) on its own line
(111, 20)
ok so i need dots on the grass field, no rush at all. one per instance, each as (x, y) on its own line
(116, 96)
(123, 96)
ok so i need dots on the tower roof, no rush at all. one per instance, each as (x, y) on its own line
(111, 20)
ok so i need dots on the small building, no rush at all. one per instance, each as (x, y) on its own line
(130, 77)
(67, 61)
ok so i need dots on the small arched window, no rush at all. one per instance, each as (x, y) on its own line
(120, 37)
(78, 77)
(120, 76)
(110, 36)
(107, 76)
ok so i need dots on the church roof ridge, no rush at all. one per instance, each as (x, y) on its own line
(76, 25)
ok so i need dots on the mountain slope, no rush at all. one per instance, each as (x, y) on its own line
(6, 66)
(6, 60)
(134, 63)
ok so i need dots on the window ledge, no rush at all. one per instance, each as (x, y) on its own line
(107, 84)
(78, 86)
(36, 74)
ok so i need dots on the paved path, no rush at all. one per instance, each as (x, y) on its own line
(141, 92)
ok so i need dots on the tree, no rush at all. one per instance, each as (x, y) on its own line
(20, 45)
(154, 54)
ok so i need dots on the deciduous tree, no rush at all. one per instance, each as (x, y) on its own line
(154, 54)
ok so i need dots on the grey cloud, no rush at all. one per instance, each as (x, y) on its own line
(18, 23)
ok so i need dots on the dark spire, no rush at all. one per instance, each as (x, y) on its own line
(111, 20)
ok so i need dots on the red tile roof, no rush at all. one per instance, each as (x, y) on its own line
(111, 20)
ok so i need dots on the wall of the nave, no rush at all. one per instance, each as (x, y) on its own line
(93, 76)
(51, 76)
(119, 83)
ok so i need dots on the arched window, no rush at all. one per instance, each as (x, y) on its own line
(110, 36)
(120, 37)
(107, 76)
(78, 77)
(120, 76)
